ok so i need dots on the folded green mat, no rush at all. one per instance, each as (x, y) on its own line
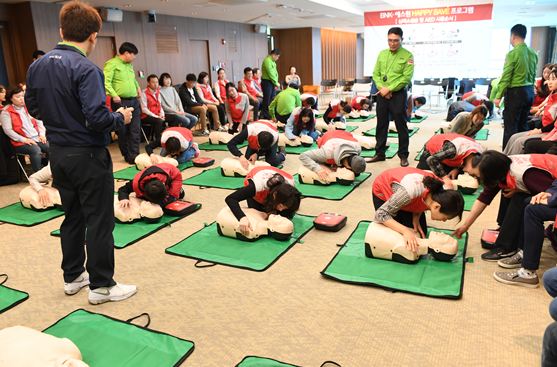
(419, 155)
(415, 120)
(107, 342)
(20, 216)
(9, 297)
(253, 361)
(391, 151)
(411, 131)
(299, 149)
(361, 119)
(329, 192)
(213, 178)
(482, 134)
(207, 245)
(208, 146)
(126, 234)
(427, 277)
(129, 173)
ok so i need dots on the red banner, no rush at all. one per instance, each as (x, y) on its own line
(446, 14)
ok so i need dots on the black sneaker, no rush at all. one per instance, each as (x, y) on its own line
(376, 158)
(497, 254)
(148, 149)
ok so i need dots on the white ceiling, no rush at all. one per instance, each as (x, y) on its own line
(341, 14)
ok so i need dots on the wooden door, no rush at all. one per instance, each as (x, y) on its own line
(104, 50)
(199, 51)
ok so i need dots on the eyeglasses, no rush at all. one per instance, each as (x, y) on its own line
(393, 40)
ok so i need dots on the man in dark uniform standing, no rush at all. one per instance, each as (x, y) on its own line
(66, 91)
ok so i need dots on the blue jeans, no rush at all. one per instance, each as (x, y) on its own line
(314, 134)
(35, 153)
(549, 346)
(550, 284)
(186, 156)
(188, 120)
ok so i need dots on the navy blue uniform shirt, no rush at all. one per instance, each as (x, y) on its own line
(66, 91)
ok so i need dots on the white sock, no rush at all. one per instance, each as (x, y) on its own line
(528, 274)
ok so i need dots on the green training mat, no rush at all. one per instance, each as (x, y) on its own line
(10, 297)
(207, 245)
(253, 361)
(428, 277)
(482, 134)
(329, 192)
(126, 234)
(108, 342)
(351, 128)
(213, 178)
(361, 119)
(411, 131)
(415, 120)
(391, 151)
(223, 147)
(21, 216)
(419, 155)
(299, 149)
(129, 173)
(471, 198)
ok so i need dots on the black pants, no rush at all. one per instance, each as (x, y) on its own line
(534, 218)
(222, 113)
(539, 146)
(394, 108)
(268, 95)
(83, 176)
(272, 156)
(511, 218)
(129, 136)
(403, 217)
(518, 101)
(282, 118)
(549, 346)
(157, 125)
(256, 103)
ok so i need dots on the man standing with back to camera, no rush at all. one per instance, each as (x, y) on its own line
(66, 90)
(392, 75)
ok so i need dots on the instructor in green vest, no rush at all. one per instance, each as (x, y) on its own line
(269, 81)
(392, 75)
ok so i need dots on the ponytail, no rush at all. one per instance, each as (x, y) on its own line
(451, 201)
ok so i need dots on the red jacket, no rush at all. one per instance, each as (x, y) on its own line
(153, 103)
(464, 147)
(17, 124)
(164, 172)
(249, 86)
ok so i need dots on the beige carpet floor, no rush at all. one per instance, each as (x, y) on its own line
(290, 312)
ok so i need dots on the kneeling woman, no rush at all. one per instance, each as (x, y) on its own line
(301, 123)
(401, 196)
(267, 189)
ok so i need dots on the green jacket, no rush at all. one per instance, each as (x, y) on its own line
(519, 70)
(398, 67)
(269, 70)
(119, 78)
(285, 102)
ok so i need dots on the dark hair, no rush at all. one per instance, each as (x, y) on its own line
(365, 101)
(299, 125)
(228, 86)
(310, 101)
(275, 51)
(191, 77)
(202, 76)
(38, 53)
(395, 30)
(247, 69)
(2, 88)
(283, 193)
(219, 70)
(481, 109)
(173, 146)
(265, 140)
(489, 105)
(347, 108)
(151, 76)
(421, 100)
(451, 201)
(293, 85)
(11, 93)
(154, 191)
(519, 30)
(78, 21)
(128, 47)
(343, 103)
(163, 77)
(255, 70)
(493, 167)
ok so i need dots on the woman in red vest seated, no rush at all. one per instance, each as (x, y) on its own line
(447, 154)
(220, 85)
(262, 137)
(152, 112)
(401, 196)
(213, 105)
(27, 135)
(518, 177)
(237, 109)
(267, 189)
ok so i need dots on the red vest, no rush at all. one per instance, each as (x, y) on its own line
(17, 124)
(383, 190)
(181, 133)
(222, 89)
(476, 102)
(164, 172)
(356, 103)
(260, 175)
(547, 117)
(259, 126)
(522, 162)
(235, 112)
(331, 138)
(249, 86)
(464, 147)
(335, 110)
(153, 103)
(207, 93)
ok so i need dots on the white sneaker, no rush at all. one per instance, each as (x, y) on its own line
(118, 292)
(78, 283)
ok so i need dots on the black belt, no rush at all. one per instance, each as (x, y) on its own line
(128, 99)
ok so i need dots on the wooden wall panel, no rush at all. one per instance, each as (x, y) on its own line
(4, 12)
(338, 54)
(22, 40)
(295, 47)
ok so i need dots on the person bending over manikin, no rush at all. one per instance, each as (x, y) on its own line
(40, 196)
(384, 243)
(23, 346)
(273, 225)
(143, 160)
(342, 176)
(136, 210)
(466, 184)
(304, 140)
(232, 167)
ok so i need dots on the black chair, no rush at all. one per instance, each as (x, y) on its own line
(365, 80)
(450, 86)
(466, 85)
